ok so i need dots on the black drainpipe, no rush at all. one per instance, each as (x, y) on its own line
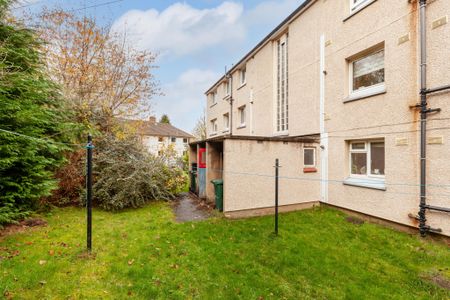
(424, 110)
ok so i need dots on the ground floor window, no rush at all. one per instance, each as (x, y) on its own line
(367, 158)
(309, 157)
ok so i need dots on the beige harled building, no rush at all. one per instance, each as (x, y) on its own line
(334, 93)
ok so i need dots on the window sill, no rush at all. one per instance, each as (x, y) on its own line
(370, 183)
(226, 130)
(213, 134)
(366, 94)
(309, 170)
(241, 126)
(212, 105)
(226, 97)
(242, 85)
(281, 133)
(370, 2)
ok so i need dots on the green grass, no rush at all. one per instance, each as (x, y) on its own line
(144, 254)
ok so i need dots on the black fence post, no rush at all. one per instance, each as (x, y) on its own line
(277, 165)
(89, 148)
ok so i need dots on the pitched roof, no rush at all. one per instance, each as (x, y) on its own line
(153, 128)
(162, 129)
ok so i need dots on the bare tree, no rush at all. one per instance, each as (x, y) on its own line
(102, 76)
(200, 128)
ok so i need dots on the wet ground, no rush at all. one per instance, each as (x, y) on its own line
(188, 209)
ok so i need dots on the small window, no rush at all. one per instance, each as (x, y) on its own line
(214, 126)
(241, 113)
(173, 139)
(226, 121)
(357, 4)
(185, 140)
(367, 158)
(160, 139)
(160, 153)
(213, 96)
(309, 157)
(367, 73)
(227, 87)
(242, 76)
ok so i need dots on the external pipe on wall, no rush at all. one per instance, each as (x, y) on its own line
(423, 118)
(424, 110)
(229, 78)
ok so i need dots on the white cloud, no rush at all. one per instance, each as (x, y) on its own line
(181, 29)
(184, 98)
(270, 10)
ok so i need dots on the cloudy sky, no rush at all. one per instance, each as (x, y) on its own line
(195, 40)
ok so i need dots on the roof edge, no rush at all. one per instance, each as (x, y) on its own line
(299, 138)
(289, 18)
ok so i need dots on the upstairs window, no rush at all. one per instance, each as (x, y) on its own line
(226, 121)
(367, 73)
(367, 158)
(160, 139)
(213, 97)
(282, 124)
(243, 75)
(185, 140)
(227, 87)
(241, 113)
(173, 139)
(214, 126)
(358, 4)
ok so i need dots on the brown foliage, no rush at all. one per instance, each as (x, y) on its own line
(102, 77)
(71, 180)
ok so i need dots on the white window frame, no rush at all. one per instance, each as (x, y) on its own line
(213, 97)
(185, 140)
(358, 5)
(242, 111)
(282, 87)
(172, 140)
(226, 125)
(214, 126)
(227, 88)
(367, 150)
(314, 157)
(243, 76)
(374, 89)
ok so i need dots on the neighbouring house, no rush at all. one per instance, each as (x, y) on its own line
(338, 93)
(162, 138)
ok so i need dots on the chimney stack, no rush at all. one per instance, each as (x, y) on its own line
(152, 120)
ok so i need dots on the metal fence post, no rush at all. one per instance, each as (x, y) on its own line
(89, 148)
(277, 165)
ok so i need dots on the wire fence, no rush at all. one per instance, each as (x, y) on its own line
(386, 186)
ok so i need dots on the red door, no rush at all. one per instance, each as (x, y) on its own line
(202, 158)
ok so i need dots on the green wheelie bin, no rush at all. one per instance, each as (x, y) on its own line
(218, 189)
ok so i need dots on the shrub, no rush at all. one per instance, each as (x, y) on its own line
(125, 175)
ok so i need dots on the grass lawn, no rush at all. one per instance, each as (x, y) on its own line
(144, 254)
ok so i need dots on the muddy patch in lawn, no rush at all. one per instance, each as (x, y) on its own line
(22, 226)
(354, 220)
(440, 280)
